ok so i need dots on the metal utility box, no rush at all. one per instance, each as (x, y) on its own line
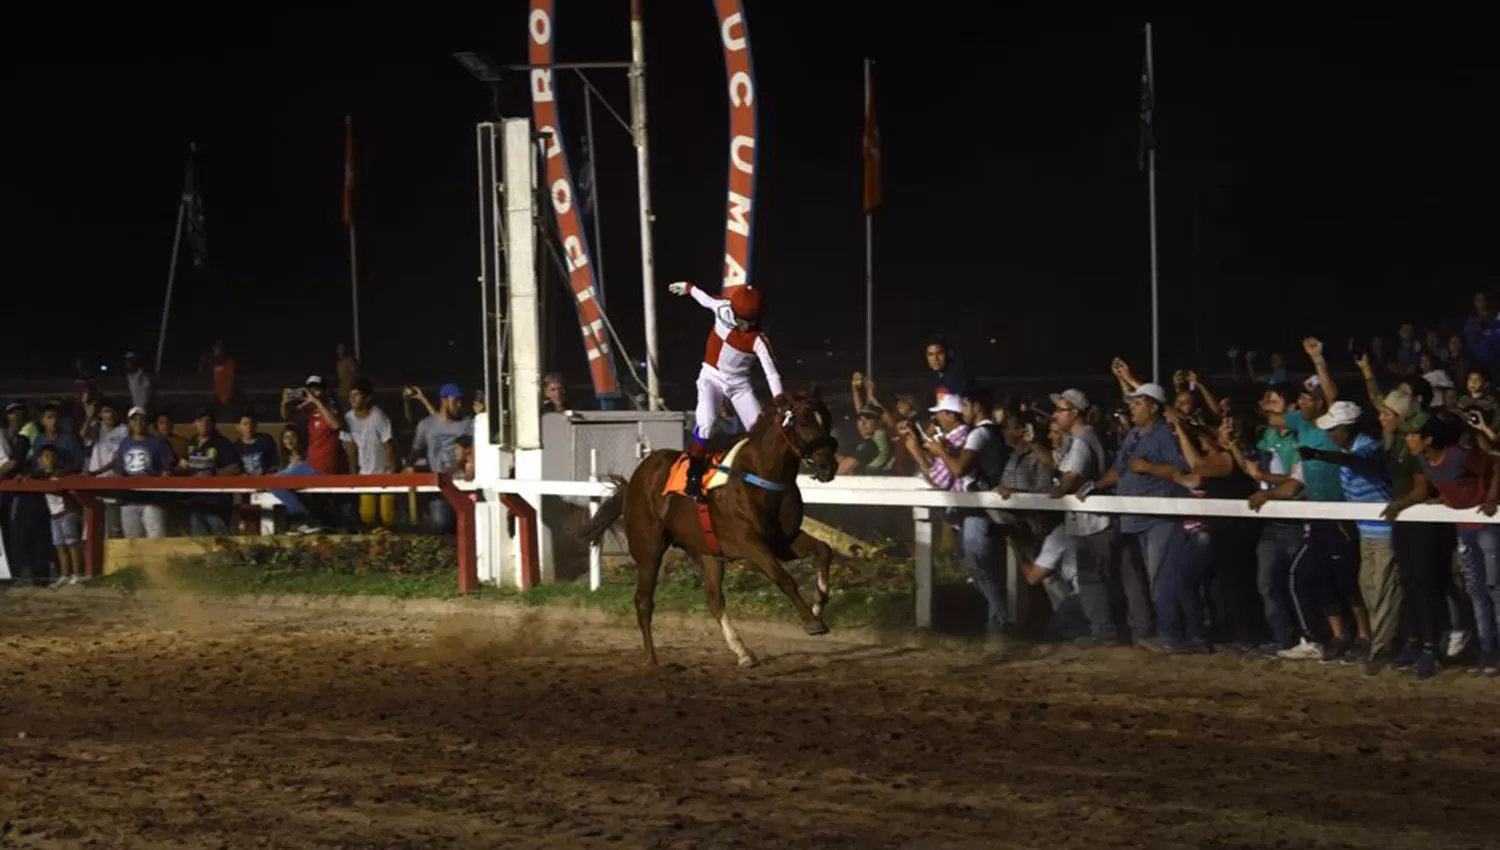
(622, 438)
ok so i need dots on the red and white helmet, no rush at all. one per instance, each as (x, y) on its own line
(745, 300)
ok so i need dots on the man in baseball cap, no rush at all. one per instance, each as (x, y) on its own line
(1072, 399)
(1089, 537)
(1153, 547)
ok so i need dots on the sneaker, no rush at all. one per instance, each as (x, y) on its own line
(1407, 657)
(58, 582)
(1304, 651)
(1427, 665)
(1335, 650)
(1375, 663)
(1358, 653)
(74, 579)
(1458, 640)
(306, 528)
(1491, 664)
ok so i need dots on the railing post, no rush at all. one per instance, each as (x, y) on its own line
(923, 519)
(93, 533)
(468, 552)
(596, 547)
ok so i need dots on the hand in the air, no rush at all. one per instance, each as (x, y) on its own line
(681, 287)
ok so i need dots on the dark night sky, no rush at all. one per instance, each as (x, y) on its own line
(1340, 165)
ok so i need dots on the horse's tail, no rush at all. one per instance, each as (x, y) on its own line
(609, 511)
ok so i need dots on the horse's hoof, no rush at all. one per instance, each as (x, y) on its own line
(817, 627)
(747, 661)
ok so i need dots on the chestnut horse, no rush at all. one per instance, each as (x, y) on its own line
(756, 516)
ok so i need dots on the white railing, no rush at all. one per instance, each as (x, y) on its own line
(928, 506)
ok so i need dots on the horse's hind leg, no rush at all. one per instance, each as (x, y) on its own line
(713, 588)
(647, 556)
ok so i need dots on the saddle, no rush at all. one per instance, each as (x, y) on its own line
(714, 475)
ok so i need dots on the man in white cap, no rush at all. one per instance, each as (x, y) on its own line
(1370, 586)
(1091, 536)
(1152, 550)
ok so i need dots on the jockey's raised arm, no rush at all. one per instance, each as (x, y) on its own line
(768, 365)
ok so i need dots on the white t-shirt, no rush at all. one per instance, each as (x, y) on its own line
(1059, 553)
(1084, 455)
(369, 436)
(979, 437)
(105, 445)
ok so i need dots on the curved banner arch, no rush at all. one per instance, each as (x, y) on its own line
(540, 35)
(734, 37)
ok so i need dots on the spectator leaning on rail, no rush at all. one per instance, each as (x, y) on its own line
(1326, 567)
(1091, 537)
(1146, 462)
(1365, 478)
(872, 453)
(976, 467)
(209, 453)
(435, 441)
(143, 454)
(1468, 478)
(66, 523)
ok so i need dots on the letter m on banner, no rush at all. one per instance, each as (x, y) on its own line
(559, 181)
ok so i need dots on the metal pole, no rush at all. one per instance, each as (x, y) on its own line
(643, 186)
(869, 260)
(588, 129)
(1151, 183)
(596, 550)
(166, 307)
(491, 399)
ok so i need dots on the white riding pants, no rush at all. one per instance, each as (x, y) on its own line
(713, 388)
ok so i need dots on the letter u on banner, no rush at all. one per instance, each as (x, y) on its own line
(540, 35)
(739, 72)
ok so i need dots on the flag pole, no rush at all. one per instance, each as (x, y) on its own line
(1151, 190)
(869, 254)
(166, 307)
(349, 210)
(593, 166)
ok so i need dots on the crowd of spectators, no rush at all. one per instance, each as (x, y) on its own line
(321, 431)
(1417, 426)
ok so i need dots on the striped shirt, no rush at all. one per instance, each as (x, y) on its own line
(940, 476)
(1361, 486)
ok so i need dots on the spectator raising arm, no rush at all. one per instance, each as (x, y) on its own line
(1210, 400)
(1314, 349)
(1377, 398)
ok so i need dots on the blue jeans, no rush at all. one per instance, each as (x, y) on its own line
(979, 556)
(1479, 554)
(207, 524)
(1144, 554)
(1179, 583)
(1279, 544)
(294, 506)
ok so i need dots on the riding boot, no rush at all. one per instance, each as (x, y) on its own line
(697, 464)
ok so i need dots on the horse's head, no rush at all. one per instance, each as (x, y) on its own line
(808, 428)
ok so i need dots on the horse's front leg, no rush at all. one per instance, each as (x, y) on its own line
(804, 545)
(764, 560)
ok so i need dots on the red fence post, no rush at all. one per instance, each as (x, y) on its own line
(531, 568)
(468, 551)
(93, 533)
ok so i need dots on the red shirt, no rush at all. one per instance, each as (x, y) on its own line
(322, 444)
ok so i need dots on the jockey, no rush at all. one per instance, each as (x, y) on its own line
(734, 345)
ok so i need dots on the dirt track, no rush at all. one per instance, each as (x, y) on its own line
(126, 723)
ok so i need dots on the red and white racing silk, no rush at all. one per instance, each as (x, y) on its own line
(733, 352)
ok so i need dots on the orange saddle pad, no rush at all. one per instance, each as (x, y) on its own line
(713, 477)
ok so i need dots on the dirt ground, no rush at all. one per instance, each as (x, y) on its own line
(182, 723)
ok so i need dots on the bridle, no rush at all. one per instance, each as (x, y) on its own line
(804, 450)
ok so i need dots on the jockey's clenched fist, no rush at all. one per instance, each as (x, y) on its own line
(681, 287)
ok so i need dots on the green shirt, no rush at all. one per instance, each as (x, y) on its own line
(1278, 451)
(1400, 464)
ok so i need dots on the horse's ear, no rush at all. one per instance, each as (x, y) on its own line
(813, 393)
(782, 401)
